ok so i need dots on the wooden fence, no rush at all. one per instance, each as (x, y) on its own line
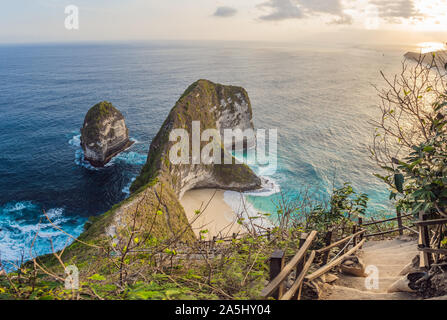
(303, 259)
(429, 255)
(302, 262)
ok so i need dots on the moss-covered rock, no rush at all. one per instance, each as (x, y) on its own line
(104, 134)
(215, 106)
(156, 192)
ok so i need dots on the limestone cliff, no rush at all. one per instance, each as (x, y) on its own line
(215, 106)
(104, 134)
(161, 183)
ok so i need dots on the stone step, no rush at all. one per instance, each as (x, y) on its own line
(388, 269)
(359, 283)
(344, 293)
(390, 257)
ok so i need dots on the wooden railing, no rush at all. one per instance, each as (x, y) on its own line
(401, 227)
(429, 256)
(279, 273)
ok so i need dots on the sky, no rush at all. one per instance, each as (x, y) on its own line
(238, 20)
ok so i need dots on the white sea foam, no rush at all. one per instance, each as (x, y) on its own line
(244, 209)
(135, 141)
(269, 187)
(238, 201)
(21, 221)
(75, 141)
(80, 160)
(126, 189)
(132, 158)
(18, 206)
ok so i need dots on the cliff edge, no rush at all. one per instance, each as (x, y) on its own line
(157, 190)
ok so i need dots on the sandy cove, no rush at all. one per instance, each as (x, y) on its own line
(218, 217)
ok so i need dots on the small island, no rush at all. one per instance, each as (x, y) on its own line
(104, 134)
(437, 59)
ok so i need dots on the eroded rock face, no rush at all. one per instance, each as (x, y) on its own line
(215, 106)
(161, 183)
(104, 134)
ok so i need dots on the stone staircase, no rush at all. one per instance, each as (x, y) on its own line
(390, 257)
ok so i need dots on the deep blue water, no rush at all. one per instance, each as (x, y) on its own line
(319, 99)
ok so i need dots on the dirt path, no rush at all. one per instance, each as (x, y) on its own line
(390, 257)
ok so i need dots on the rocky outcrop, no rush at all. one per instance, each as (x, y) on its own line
(161, 183)
(436, 59)
(104, 134)
(214, 106)
(153, 209)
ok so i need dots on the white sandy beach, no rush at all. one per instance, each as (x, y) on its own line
(218, 218)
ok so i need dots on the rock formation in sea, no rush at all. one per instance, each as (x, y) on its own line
(157, 190)
(214, 106)
(436, 59)
(104, 134)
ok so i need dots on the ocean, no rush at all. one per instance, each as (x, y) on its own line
(319, 97)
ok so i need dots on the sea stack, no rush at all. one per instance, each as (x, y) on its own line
(161, 182)
(104, 134)
(213, 106)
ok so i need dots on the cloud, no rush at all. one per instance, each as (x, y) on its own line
(344, 19)
(282, 10)
(322, 6)
(300, 9)
(225, 12)
(394, 11)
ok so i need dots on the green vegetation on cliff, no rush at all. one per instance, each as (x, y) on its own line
(94, 117)
(202, 101)
(136, 264)
(133, 250)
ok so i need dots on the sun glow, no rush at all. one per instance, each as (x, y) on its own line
(431, 46)
(432, 15)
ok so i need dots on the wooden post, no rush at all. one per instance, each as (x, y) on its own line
(300, 265)
(276, 265)
(424, 242)
(354, 231)
(399, 221)
(360, 227)
(328, 240)
(214, 242)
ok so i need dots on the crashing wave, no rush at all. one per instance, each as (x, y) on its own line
(131, 158)
(269, 187)
(20, 222)
(126, 189)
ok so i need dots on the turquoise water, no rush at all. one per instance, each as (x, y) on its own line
(318, 98)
